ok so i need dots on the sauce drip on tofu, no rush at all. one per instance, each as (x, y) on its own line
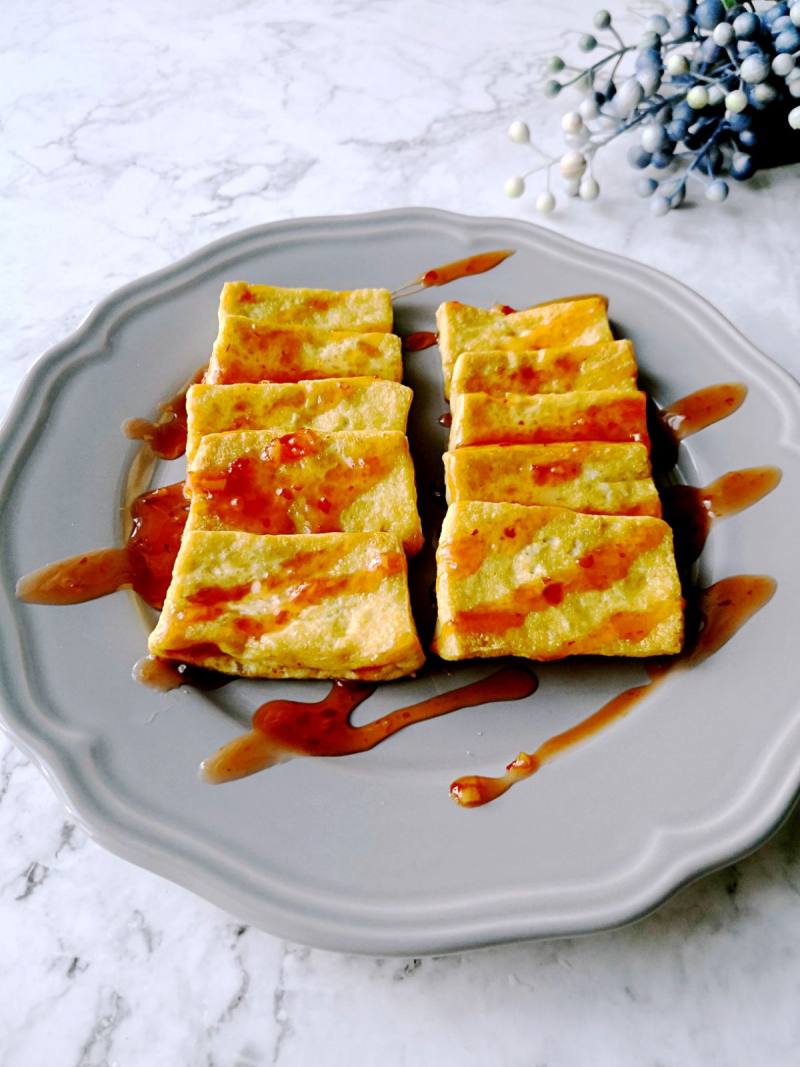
(145, 562)
(721, 611)
(167, 435)
(264, 493)
(164, 675)
(284, 729)
(279, 597)
(418, 342)
(606, 564)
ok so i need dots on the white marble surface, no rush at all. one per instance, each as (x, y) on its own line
(135, 133)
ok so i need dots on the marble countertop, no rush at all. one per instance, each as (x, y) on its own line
(133, 134)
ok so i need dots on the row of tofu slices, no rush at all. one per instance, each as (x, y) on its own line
(303, 501)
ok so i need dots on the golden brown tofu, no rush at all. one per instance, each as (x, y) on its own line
(323, 606)
(462, 328)
(608, 365)
(545, 418)
(544, 583)
(250, 351)
(305, 482)
(331, 404)
(588, 476)
(358, 310)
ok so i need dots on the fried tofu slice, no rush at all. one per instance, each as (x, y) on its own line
(250, 351)
(305, 482)
(331, 404)
(324, 606)
(463, 328)
(545, 418)
(607, 365)
(589, 476)
(544, 583)
(357, 310)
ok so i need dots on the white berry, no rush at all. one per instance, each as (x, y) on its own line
(677, 65)
(794, 118)
(572, 164)
(716, 94)
(629, 96)
(588, 109)
(783, 64)
(765, 94)
(572, 186)
(723, 34)
(697, 97)
(518, 132)
(754, 69)
(736, 101)
(514, 187)
(571, 122)
(588, 189)
(545, 203)
(794, 14)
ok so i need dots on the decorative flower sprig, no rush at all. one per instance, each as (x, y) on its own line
(709, 97)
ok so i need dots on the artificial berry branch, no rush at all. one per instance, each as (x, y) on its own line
(705, 92)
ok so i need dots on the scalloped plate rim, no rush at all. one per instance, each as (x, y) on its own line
(337, 932)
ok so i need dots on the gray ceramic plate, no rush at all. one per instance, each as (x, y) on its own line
(368, 853)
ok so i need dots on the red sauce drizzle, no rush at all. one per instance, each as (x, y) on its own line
(145, 563)
(691, 511)
(723, 608)
(417, 342)
(462, 268)
(167, 435)
(269, 492)
(284, 729)
(698, 410)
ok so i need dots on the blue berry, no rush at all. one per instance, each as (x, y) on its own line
(746, 25)
(587, 42)
(639, 157)
(602, 19)
(740, 121)
(660, 206)
(678, 195)
(648, 59)
(709, 13)
(677, 130)
(742, 167)
(683, 112)
(717, 191)
(747, 138)
(777, 11)
(710, 51)
(747, 48)
(781, 24)
(662, 159)
(788, 40)
(646, 186)
(658, 24)
(681, 28)
(552, 88)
